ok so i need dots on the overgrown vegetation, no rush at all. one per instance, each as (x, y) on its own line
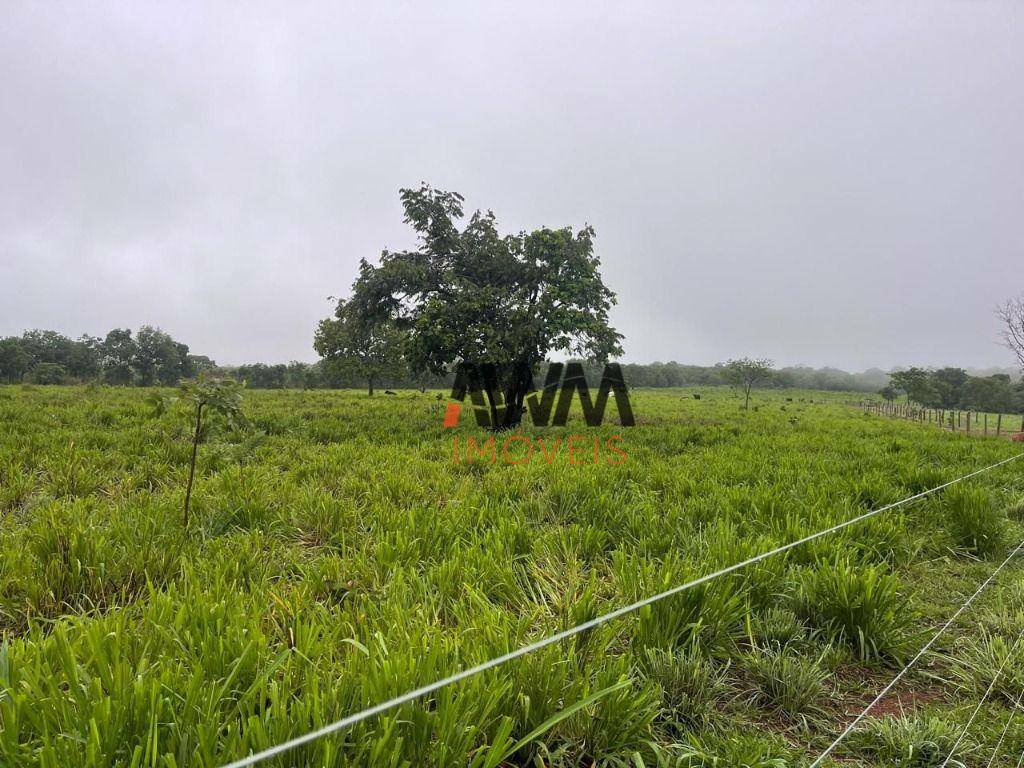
(954, 388)
(341, 557)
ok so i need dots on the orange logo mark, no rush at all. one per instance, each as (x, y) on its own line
(451, 416)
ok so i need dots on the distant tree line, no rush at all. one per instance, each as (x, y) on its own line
(147, 358)
(954, 388)
(151, 357)
(343, 374)
(673, 374)
(327, 374)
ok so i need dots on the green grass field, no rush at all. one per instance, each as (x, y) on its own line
(338, 556)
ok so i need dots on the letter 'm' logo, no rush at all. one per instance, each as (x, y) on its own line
(550, 406)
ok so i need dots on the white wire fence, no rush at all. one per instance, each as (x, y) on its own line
(899, 676)
(1006, 728)
(377, 709)
(981, 701)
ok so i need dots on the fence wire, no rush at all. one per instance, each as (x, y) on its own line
(365, 714)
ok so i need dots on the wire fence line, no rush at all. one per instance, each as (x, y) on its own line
(981, 701)
(370, 712)
(899, 675)
(1009, 721)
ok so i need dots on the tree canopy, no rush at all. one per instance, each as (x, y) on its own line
(955, 388)
(149, 357)
(371, 350)
(475, 296)
(746, 373)
(915, 383)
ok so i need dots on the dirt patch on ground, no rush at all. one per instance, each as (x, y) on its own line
(857, 687)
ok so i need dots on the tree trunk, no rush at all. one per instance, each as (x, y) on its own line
(369, 384)
(192, 464)
(519, 382)
(746, 402)
(513, 407)
(512, 396)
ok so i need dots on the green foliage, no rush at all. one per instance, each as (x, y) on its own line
(48, 373)
(975, 522)
(746, 374)
(778, 628)
(908, 741)
(989, 659)
(214, 397)
(14, 360)
(915, 383)
(787, 682)
(159, 359)
(733, 750)
(371, 348)
(478, 297)
(48, 357)
(859, 605)
(954, 388)
(337, 557)
(219, 397)
(690, 683)
(118, 352)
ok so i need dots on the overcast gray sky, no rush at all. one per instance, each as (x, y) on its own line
(820, 183)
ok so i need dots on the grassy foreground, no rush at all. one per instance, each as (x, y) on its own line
(338, 556)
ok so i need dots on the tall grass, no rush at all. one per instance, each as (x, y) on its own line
(343, 558)
(975, 522)
(861, 606)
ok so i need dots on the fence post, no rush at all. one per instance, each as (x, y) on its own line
(999, 424)
(968, 422)
(986, 424)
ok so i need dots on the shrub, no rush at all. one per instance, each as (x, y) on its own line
(908, 741)
(990, 659)
(858, 606)
(976, 524)
(689, 683)
(777, 628)
(48, 373)
(615, 725)
(786, 682)
(735, 750)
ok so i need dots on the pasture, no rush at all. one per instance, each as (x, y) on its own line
(338, 556)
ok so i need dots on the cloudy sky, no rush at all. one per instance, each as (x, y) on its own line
(818, 183)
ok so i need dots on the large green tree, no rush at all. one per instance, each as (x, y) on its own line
(475, 296)
(361, 346)
(996, 394)
(159, 358)
(76, 359)
(947, 388)
(915, 383)
(14, 360)
(118, 352)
